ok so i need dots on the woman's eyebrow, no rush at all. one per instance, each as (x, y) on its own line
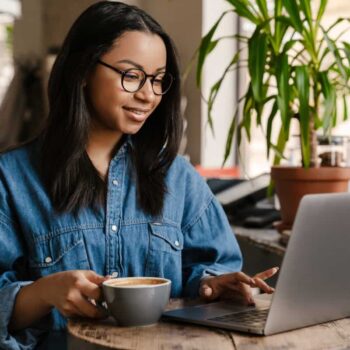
(138, 65)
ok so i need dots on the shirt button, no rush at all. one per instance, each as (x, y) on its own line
(48, 259)
(177, 243)
(114, 228)
(115, 182)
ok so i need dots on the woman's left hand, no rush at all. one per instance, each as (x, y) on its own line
(236, 286)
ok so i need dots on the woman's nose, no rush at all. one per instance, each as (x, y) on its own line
(146, 92)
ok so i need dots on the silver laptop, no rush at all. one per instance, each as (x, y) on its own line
(313, 284)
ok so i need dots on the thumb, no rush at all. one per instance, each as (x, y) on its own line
(208, 291)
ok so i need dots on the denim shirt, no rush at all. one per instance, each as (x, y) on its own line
(191, 239)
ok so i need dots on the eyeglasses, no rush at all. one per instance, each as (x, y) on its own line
(133, 79)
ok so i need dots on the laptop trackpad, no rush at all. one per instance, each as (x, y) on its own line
(220, 308)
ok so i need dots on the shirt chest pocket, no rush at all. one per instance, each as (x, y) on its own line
(166, 238)
(60, 252)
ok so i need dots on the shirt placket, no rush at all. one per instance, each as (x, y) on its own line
(113, 214)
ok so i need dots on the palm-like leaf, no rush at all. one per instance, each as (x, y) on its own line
(306, 66)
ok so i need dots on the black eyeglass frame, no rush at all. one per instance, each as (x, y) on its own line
(152, 76)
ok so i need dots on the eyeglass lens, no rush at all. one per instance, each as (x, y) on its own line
(134, 79)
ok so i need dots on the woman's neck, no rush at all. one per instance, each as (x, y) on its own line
(101, 147)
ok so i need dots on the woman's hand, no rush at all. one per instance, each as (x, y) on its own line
(71, 291)
(236, 286)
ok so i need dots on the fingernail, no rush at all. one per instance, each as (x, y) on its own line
(275, 269)
(207, 291)
(251, 301)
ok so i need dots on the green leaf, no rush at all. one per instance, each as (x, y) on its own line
(278, 8)
(303, 87)
(335, 114)
(305, 7)
(216, 88)
(272, 115)
(329, 95)
(278, 24)
(341, 19)
(323, 4)
(206, 46)
(241, 7)
(281, 144)
(230, 134)
(345, 109)
(263, 8)
(247, 113)
(347, 50)
(257, 47)
(333, 48)
(283, 96)
(289, 44)
(293, 10)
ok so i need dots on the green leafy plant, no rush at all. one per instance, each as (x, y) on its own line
(9, 35)
(296, 67)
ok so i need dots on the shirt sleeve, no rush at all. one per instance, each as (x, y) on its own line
(12, 279)
(210, 247)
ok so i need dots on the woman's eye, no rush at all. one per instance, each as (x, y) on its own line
(131, 76)
(158, 80)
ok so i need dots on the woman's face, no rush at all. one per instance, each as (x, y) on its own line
(114, 109)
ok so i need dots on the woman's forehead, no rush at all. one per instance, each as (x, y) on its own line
(144, 48)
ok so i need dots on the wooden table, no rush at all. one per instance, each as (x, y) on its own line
(86, 335)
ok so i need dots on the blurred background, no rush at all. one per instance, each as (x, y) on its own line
(31, 32)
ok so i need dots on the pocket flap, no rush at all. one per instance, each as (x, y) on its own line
(68, 246)
(170, 234)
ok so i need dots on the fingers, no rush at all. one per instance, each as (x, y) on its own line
(267, 273)
(87, 308)
(236, 285)
(90, 290)
(93, 277)
(214, 287)
(90, 285)
(263, 285)
(208, 289)
(241, 293)
(69, 310)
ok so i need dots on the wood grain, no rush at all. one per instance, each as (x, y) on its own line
(170, 335)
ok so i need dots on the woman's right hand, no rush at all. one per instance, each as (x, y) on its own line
(71, 291)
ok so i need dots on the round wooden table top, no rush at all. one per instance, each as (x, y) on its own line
(163, 335)
(92, 335)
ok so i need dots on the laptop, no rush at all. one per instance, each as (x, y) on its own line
(313, 284)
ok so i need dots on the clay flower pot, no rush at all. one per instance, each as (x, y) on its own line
(292, 183)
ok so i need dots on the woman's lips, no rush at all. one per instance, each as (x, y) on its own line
(137, 114)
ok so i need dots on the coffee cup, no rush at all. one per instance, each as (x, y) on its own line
(136, 301)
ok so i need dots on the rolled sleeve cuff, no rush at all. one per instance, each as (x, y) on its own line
(21, 340)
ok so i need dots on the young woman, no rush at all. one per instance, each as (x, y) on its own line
(102, 191)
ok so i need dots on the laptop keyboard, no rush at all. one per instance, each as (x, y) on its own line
(250, 318)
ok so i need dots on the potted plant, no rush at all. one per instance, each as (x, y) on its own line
(297, 69)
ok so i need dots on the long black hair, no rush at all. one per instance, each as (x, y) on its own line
(71, 179)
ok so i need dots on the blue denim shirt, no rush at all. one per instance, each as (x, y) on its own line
(191, 239)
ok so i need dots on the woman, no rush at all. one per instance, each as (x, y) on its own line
(101, 190)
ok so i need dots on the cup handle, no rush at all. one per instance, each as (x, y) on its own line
(102, 306)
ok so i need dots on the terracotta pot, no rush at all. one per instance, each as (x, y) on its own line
(292, 183)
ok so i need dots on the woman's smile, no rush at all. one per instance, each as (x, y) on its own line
(137, 114)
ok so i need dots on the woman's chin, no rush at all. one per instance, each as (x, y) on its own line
(131, 130)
